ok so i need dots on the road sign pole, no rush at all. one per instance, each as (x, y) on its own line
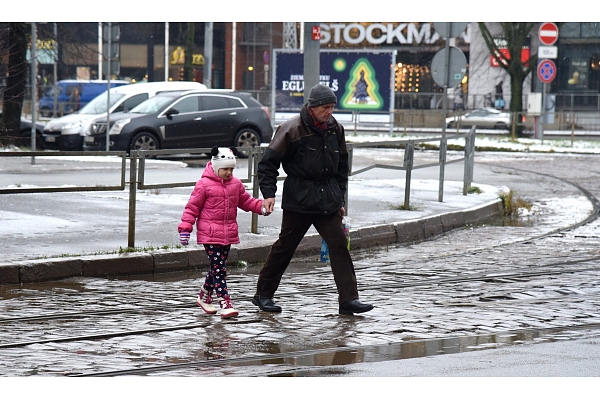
(543, 111)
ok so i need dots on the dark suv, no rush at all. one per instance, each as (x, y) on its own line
(185, 119)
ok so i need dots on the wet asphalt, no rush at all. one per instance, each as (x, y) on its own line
(423, 324)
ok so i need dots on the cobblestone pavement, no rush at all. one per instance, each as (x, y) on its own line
(421, 308)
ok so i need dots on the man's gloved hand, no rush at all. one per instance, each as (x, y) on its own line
(184, 238)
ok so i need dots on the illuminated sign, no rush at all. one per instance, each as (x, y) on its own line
(360, 80)
(178, 57)
(410, 33)
(502, 45)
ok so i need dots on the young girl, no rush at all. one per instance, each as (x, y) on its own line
(213, 208)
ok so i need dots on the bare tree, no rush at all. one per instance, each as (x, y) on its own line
(515, 34)
(189, 51)
(16, 36)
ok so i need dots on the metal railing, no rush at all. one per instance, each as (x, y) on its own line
(409, 160)
(57, 189)
(137, 170)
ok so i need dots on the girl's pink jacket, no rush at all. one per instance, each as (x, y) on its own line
(213, 208)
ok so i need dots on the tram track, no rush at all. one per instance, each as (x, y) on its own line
(493, 278)
(594, 215)
(292, 359)
(500, 276)
(556, 268)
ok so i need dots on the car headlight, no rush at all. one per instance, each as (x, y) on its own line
(74, 125)
(118, 126)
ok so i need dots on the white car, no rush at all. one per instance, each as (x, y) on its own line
(66, 133)
(482, 118)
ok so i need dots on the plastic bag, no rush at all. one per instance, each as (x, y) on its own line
(325, 247)
(346, 225)
(324, 251)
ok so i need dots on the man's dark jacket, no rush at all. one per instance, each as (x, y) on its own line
(315, 162)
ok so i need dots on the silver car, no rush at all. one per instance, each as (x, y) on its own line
(482, 118)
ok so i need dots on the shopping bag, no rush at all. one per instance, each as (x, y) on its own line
(325, 247)
(324, 251)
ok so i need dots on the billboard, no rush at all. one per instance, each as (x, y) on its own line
(362, 80)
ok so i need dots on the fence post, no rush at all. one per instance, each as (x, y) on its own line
(442, 161)
(256, 155)
(132, 197)
(572, 127)
(469, 151)
(409, 154)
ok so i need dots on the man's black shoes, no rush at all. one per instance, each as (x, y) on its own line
(354, 306)
(265, 304)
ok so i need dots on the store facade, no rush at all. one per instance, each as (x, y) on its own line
(241, 56)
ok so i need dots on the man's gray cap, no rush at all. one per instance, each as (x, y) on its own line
(321, 94)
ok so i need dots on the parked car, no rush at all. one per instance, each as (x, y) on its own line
(24, 138)
(88, 90)
(66, 133)
(186, 119)
(482, 118)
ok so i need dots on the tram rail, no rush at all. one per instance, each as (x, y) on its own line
(505, 273)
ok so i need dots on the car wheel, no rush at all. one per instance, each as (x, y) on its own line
(501, 126)
(246, 138)
(144, 141)
(451, 125)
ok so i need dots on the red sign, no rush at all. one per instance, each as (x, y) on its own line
(548, 33)
(546, 71)
(525, 54)
(316, 33)
(502, 46)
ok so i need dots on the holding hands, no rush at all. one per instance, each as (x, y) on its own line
(268, 205)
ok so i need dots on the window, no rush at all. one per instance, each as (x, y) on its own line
(133, 101)
(187, 105)
(215, 103)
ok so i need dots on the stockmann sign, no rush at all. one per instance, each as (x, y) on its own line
(409, 33)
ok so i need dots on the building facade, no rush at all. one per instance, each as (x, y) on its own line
(241, 56)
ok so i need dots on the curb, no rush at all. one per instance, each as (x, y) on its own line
(113, 265)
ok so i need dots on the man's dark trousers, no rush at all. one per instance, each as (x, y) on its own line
(293, 228)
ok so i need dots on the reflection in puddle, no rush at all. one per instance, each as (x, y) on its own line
(407, 350)
(501, 220)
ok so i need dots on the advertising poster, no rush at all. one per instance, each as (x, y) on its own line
(578, 74)
(362, 81)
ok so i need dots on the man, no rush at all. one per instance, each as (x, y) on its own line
(311, 147)
(458, 98)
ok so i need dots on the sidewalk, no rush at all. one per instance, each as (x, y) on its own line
(373, 214)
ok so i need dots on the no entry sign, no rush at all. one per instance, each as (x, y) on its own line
(548, 33)
(547, 71)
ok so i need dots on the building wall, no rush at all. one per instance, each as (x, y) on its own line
(416, 43)
(483, 78)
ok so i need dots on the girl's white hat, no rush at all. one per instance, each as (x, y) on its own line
(223, 157)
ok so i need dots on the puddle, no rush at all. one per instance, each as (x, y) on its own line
(419, 348)
(509, 221)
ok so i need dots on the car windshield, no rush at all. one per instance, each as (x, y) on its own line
(98, 104)
(153, 105)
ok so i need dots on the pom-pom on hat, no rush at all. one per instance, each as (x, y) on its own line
(321, 94)
(223, 157)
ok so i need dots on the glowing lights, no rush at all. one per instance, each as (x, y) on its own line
(409, 77)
